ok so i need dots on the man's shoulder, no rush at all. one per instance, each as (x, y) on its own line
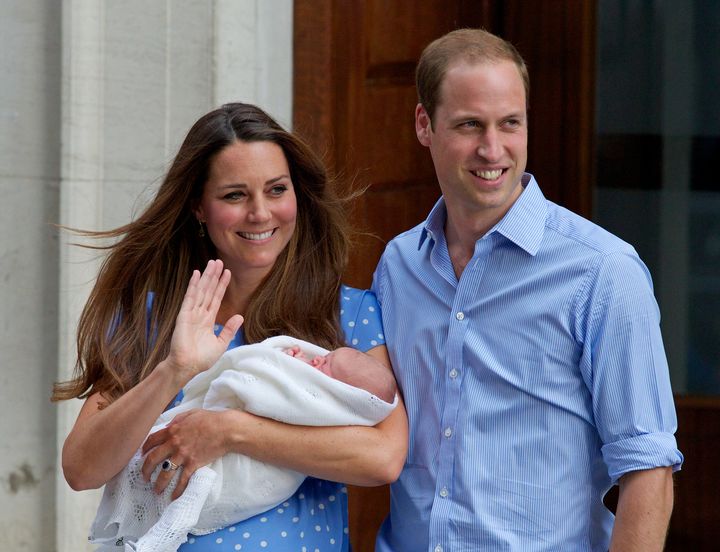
(407, 241)
(402, 256)
(575, 229)
(411, 235)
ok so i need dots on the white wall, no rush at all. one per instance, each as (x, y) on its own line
(95, 98)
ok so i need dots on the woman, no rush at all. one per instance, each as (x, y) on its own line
(243, 191)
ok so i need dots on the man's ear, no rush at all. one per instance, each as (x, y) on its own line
(423, 125)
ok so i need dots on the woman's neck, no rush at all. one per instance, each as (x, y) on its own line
(241, 288)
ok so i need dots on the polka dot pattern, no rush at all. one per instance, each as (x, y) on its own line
(360, 318)
(315, 517)
(309, 525)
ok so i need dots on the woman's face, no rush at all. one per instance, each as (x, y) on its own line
(249, 206)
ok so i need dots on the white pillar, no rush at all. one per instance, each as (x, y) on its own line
(253, 55)
(80, 207)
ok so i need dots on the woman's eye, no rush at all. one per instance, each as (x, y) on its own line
(234, 195)
(278, 189)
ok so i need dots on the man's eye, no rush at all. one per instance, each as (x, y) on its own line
(470, 124)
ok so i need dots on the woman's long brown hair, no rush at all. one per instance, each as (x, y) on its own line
(118, 344)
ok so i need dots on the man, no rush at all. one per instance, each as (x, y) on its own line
(525, 340)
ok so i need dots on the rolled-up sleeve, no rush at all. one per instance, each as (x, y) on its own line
(626, 367)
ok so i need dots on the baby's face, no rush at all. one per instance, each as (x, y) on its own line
(335, 364)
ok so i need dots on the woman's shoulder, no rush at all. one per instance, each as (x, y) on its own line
(360, 318)
(354, 301)
(356, 295)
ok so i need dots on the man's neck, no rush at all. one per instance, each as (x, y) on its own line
(462, 231)
(460, 242)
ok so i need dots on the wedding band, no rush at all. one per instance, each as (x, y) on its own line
(168, 465)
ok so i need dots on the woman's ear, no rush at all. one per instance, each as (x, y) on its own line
(197, 210)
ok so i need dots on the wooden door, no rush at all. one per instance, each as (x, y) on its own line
(354, 100)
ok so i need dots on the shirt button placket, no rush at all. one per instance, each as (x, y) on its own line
(442, 506)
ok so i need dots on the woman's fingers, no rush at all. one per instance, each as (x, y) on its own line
(193, 439)
(170, 465)
(155, 452)
(182, 482)
(178, 471)
(207, 284)
(218, 292)
(191, 292)
(230, 329)
(206, 292)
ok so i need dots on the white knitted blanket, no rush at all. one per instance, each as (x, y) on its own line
(260, 379)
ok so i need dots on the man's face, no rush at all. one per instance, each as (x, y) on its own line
(478, 139)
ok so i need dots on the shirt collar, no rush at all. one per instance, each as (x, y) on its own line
(435, 223)
(524, 223)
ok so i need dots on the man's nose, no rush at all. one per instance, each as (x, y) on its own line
(490, 146)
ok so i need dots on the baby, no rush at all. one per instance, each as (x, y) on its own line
(354, 368)
(282, 378)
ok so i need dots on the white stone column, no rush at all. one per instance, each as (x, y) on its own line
(253, 55)
(80, 207)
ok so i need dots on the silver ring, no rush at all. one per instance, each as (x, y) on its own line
(168, 465)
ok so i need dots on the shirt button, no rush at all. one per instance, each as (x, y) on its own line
(444, 492)
(460, 315)
(447, 432)
(438, 548)
(453, 373)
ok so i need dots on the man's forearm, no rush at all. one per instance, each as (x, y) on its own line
(643, 511)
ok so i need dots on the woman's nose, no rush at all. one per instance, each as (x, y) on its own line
(259, 211)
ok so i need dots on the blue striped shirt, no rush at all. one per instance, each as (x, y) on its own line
(532, 383)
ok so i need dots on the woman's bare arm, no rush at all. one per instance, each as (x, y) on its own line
(103, 440)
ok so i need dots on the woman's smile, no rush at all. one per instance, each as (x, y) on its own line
(256, 236)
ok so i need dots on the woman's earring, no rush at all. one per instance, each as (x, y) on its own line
(201, 229)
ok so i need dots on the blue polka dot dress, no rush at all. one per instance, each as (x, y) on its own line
(315, 518)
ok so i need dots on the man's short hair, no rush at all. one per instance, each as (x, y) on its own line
(468, 45)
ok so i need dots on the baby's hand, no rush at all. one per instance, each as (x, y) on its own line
(295, 351)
